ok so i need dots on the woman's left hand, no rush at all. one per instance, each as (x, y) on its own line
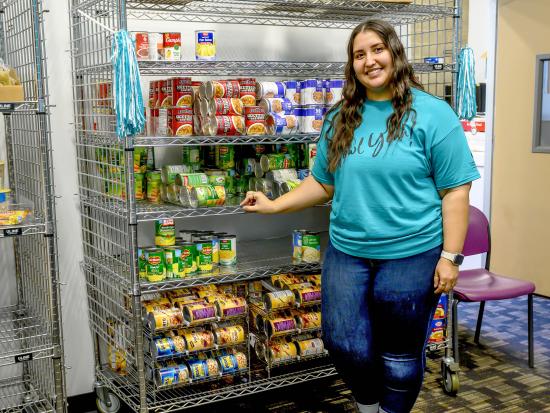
(445, 277)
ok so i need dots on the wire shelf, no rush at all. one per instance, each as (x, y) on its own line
(22, 337)
(19, 107)
(30, 228)
(18, 394)
(225, 140)
(334, 14)
(190, 396)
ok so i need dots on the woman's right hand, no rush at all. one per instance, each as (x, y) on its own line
(256, 201)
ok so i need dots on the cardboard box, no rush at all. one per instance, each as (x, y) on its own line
(12, 93)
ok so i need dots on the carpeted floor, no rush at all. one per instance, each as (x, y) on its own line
(494, 376)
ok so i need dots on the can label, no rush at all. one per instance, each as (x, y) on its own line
(171, 43)
(226, 106)
(226, 89)
(255, 120)
(205, 45)
(199, 369)
(248, 91)
(293, 91)
(153, 92)
(165, 232)
(141, 40)
(231, 307)
(311, 248)
(280, 325)
(308, 295)
(229, 335)
(200, 340)
(190, 179)
(309, 320)
(312, 92)
(139, 182)
(142, 263)
(182, 92)
(279, 299)
(165, 94)
(199, 312)
(276, 105)
(228, 251)
(280, 124)
(156, 270)
(270, 90)
(227, 125)
(228, 364)
(181, 121)
(204, 256)
(311, 347)
(164, 347)
(208, 195)
(282, 351)
(297, 245)
(225, 156)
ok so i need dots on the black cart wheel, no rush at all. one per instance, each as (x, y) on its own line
(112, 405)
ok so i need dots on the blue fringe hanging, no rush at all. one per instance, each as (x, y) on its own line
(128, 98)
(466, 107)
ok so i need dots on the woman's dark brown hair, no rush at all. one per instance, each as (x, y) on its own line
(354, 94)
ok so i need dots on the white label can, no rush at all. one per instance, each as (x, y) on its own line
(205, 45)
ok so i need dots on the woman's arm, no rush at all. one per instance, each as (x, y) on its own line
(307, 194)
(455, 207)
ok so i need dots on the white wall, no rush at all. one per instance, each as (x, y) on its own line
(479, 35)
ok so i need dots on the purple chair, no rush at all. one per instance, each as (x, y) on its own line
(481, 285)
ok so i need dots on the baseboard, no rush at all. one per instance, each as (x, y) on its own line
(82, 403)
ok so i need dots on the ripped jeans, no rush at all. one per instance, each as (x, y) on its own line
(376, 317)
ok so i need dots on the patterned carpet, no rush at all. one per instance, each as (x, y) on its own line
(494, 376)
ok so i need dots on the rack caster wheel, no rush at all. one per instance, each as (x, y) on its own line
(111, 405)
(451, 382)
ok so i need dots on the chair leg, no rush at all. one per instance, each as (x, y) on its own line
(530, 330)
(479, 321)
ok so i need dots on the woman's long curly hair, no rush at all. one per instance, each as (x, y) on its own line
(354, 94)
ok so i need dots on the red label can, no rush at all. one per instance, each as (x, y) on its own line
(224, 125)
(182, 92)
(220, 89)
(254, 120)
(248, 91)
(142, 45)
(153, 91)
(181, 121)
(165, 93)
(226, 106)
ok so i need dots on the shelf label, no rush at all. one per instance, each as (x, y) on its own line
(20, 358)
(438, 66)
(12, 232)
(7, 107)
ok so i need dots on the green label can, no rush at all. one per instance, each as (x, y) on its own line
(191, 155)
(156, 270)
(165, 232)
(216, 179)
(153, 186)
(171, 258)
(140, 159)
(139, 184)
(311, 247)
(228, 250)
(191, 179)
(204, 255)
(188, 259)
(225, 156)
(207, 196)
(142, 263)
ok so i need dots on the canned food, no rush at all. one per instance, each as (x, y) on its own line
(168, 318)
(141, 44)
(207, 196)
(308, 295)
(280, 326)
(229, 335)
(276, 105)
(220, 89)
(204, 255)
(282, 175)
(254, 120)
(155, 268)
(213, 367)
(199, 340)
(312, 92)
(312, 119)
(221, 106)
(156, 305)
(242, 361)
(153, 93)
(188, 259)
(216, 177)
(190, 179)
(172, 256)
(282, 351)
(270, 90)
(311, 247)
(205, 45)
(142, 264)
(290, 185)
(223, 125)
(225, 156)
(277, 124)
(182, 92)
(312, 347)
(297, 237)
(199, 312)
(231, 307)
(248, 91)
(165, 232)
(228, 364)
(279, 299)
(168, 376)
(198, 369)
(228, 250)
(276, 161)
(309, 320)
(156, 46)
(265, 186)
(293, 91)
(181, 121)
(334, 89)
(169, 173)
(153, 186)
(165, 94)
(139, 183)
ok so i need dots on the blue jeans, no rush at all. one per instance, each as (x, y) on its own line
(376, 318)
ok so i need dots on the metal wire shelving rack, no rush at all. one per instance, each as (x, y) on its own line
(109, 221)
(31, 340)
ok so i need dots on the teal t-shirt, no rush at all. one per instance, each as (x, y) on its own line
(386, 203)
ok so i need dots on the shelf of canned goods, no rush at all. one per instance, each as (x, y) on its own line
(334, 14)
(176, 332)
(31, 341)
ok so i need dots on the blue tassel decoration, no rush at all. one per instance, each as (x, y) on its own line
(466, 107)
(128, 99)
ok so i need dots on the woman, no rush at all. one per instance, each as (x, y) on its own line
(395, 162)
